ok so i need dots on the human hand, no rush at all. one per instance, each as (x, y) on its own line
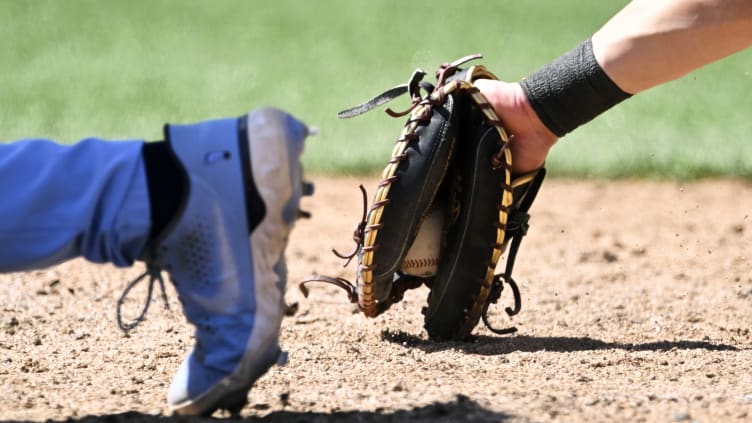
(530, 139)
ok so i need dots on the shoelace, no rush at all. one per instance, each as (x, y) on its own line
(155, 275)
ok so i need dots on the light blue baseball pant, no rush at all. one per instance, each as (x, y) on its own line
(59, 202)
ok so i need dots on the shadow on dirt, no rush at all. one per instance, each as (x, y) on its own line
(490, 345)
(462, 409)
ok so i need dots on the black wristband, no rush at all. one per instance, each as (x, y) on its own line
(571, 90)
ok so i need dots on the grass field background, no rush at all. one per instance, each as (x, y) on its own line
(73, 69)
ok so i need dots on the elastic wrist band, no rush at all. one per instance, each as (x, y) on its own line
(571, 90)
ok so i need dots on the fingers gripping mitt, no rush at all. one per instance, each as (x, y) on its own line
(452, 154)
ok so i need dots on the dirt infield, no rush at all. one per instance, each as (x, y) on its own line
(637, 306)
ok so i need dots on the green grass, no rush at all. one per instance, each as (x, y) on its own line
(72, 69)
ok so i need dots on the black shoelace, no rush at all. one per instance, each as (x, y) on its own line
(155, 275)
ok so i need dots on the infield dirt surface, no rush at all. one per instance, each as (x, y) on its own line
(637, 306)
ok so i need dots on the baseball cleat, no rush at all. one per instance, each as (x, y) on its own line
(224, 251)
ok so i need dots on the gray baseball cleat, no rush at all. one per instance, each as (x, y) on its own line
(224, 251)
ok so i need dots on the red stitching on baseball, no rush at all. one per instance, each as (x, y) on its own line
(418, 263)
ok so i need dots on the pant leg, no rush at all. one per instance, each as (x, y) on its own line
(59, 202)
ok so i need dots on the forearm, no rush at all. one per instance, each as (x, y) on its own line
(647, 43)
(650, 42)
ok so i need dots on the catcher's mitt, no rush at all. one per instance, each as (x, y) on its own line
(452, 154)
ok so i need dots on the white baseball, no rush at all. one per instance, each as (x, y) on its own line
(422, 260)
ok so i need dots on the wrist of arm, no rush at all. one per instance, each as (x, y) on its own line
(571, 90)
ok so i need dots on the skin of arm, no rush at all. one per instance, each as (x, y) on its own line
(647, 43)
(652, 42)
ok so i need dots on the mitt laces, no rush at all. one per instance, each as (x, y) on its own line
(358, 236)
(358, 232)
(397, 293)
(399, 287)
(517, 226)
(413, 87)
(435, 96)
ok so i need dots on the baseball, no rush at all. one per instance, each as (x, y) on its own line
(422, 260)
